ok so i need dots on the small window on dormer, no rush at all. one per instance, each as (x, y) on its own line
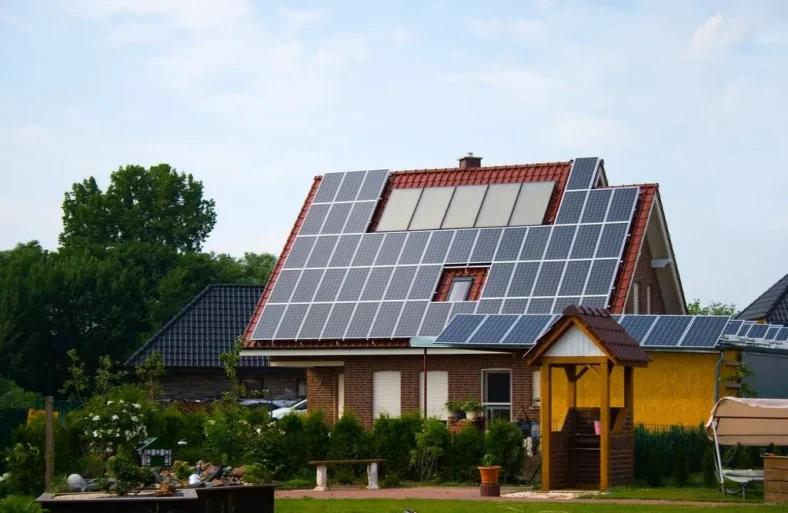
(460, 288)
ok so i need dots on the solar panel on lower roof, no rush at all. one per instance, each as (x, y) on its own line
(307, 285)
(376, 283)
(408, 324)
(782, 335)
(705, 331)
(582, 174)
(668, 330)
(460, 329)
(514, 306)
(362, 320)
(586, 241)
(344, 251)
(386, 320)
(541, 305)
(350, 186)
(549, 277)
(336, 218)
(498, 280)
(299, 252)
(489, 306)
(400, 282)
(732, 328)
(535, 242)
(571, 207)
(772, 333)
(368, 249)
(745, 327)
(523, 279)
(574, 278)
(486, 244)
(435, 319)
(460, 250)
(426, 279)
(438, 247)
(360, 216)
(511, 241)
(560, 243)
(527, 329)
(493, 329)
(758, 331)
(638, 326)
(338, 320)
(391, 248)
(354, 284)
(314, 219)
(283, 288)
(329, 185)
(373, 185)
(291, 322)
(269, 320)
(596, 205)
(414, 248)
(329, 285)
(623, 204)
(321, 253)
(612, 240)
(600, 278)
(314, 321)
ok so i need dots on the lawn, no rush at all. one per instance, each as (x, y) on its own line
(437, 506)
(672, 493)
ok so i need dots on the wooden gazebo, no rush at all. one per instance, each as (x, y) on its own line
(593, 447)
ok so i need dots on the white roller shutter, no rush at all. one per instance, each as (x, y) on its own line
(386, 393)
(437, 394)
(340, 395)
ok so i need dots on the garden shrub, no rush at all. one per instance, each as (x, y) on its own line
(18, 504)
(316, 436)
(25, 467)
(709, 468)
(182, 470)
(654, 467)
(347, 439)
(190, 453)
(392, 480)
(257, 474)
(462, 460)
(129, 475)
(226, 436)
(291, 454)
(743, 458)
(680, 467)
(504, 441)
(431, 444)
(393, 439)
(344, 475)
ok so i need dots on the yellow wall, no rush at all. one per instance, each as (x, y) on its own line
(675, 389)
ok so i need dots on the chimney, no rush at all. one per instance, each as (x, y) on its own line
(469, 161)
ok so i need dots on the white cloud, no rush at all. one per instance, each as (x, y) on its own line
(192, 14)
(302, 17)
(579, 132)
(136, 33)
(485, 27)
(337, 54)
(402, 36)
(522, 84)
(526, 30)
(715, 34)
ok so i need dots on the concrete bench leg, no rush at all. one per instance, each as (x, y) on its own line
(322, 478)
(372, 476)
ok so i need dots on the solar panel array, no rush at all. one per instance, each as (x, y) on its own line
(773, 334)
(340, 281)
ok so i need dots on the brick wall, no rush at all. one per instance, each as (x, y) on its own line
(321, 387)
(645, 275)
(211, 384)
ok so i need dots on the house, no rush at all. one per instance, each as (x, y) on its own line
(382, 268)
(771, 306)
(192, 342)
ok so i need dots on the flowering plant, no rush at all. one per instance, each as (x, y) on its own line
(114, 424)
(231, 437)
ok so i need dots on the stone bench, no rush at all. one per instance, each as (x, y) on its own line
(322, 472)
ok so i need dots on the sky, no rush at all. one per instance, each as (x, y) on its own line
(256, 98)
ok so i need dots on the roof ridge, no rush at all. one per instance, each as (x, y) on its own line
(480, 168)
(774, 303)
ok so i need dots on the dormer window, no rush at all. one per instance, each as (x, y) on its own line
(460, 288)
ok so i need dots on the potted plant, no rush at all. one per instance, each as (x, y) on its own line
(472, 408)
(454, 408)
(489, 470)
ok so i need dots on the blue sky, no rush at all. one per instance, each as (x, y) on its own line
(255, 98)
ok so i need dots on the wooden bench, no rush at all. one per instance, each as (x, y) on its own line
(322, 472)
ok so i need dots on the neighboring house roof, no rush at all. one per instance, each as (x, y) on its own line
(558, 172)
(204, 329)
(771, 306)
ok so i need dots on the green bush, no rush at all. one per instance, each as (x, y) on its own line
(25, 466)
(347, 439)
(226, 435)
(393, 439)
(316, 436)
(462, 460)
(130, 476)
(668, 441)
(709, 468)
(190, 454)
(292, 454)
(504, 441)
(654, 468)
(680, 467)
(16, 504)
(391, 480)
(182, 470)
(431, 445)
(344, 476)
(257, 474)
(743, 458)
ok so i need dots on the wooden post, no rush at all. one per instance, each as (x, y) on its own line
(49, 450)
(546, 427)
(604, 438)
(571, 390)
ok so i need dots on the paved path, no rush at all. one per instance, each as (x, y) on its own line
(466, 493)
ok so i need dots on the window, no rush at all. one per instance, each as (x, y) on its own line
(340, 395)
(386, 394)
(636, 298)
(460, 289)
(648, 299)
(437, 394)
(497, 395)
(301, 388)
(536, 387)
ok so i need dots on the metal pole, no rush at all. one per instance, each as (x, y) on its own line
(49, 454)
(424, 370)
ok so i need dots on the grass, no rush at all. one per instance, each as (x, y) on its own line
(687, 493)
(440, 506)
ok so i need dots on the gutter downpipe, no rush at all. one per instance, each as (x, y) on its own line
(717, 373)
(424, 370)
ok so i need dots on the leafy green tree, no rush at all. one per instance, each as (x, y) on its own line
(78, 382)
(711, 308)
(150, 370)
(14, 396)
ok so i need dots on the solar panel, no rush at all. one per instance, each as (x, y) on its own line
(329, 286)
(368, 249)
(461, 247)
(511, 241)
(424, 284)
(336, 218)
(668, 330)
(299, 252)
(460, 329)
(386, 320)
(535, 243)
(360, 216)
(782, 335)
(462, 307)
(758, 331)
(291, 322)
(338, 320)
(574, 278)
(321, 253)
(314, 219)
(601, 277)
(314, 321)
(772, 333)
(489, 306)
(329, 185)
(515, 306)
(523, 280)
(391, 248)
(362, 320)
(541, 305)
(596, 205)
(373, 185)
(486, 244)
(745, 327)
(438, 247)
(623, 204)
(435, 319)
(582, 173)
(549, 277)
(350, 186)
(344, 251)
(307, 286)
(562, 302)
(354, 284)
(410, 319)
(571, 207)
(705, 331)
(612, 241)
(377, 283)
(732, 327)
(560, 242)
(269, 320)
(284, 286)
(400, 282)
(586, 241)
(493, 329)
(414, 248)
(594, 301)
(638, 326)
(498, 280)
(527, 329)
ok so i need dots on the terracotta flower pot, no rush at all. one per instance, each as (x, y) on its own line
(490, 474)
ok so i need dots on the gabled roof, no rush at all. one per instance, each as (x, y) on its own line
(207, 327)
(614, 340)
(775, 298)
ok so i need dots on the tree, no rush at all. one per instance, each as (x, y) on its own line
(156, 205)
(712, 308)
(150, 370)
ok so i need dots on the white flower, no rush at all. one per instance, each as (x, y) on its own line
(136, 405)
(259, 431)
(120, 402)
(135, 419)
(110, 443)
(114, 417)
(109, 450)
(95, 434)
(96, 417)
(110, 402)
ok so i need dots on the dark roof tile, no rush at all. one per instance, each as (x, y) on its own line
(774, 300)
